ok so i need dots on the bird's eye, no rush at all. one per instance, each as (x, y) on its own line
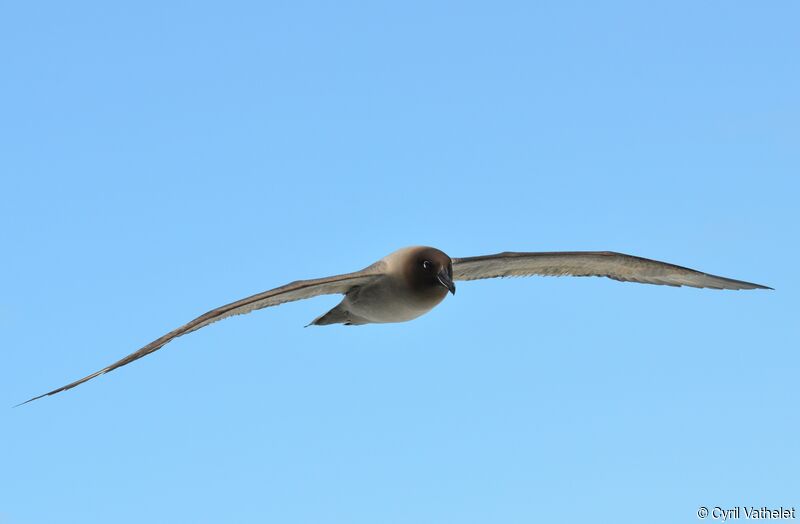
(427, 264)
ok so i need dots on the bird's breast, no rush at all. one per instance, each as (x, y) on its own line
(387, 300)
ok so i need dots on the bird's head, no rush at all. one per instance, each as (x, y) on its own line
(429, 269)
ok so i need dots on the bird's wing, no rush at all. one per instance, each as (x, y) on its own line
(297, 290)
(618, 266)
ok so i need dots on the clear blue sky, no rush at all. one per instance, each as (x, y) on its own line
(158, 159)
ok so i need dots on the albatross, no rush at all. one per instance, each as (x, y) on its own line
(411, 281)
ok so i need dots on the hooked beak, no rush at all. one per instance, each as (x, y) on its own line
(446, 280)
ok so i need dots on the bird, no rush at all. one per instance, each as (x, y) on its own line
(411, 281)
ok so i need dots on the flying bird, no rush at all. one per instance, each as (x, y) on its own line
(411, 281)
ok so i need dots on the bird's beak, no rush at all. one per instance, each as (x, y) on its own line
(446, 280)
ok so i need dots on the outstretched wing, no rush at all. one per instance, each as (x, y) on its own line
(297, 290)
(618, 266)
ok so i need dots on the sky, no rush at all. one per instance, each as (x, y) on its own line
(159, 159)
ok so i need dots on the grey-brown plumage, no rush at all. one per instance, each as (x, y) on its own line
(412, 281)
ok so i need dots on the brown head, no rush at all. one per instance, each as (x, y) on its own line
(429, 271)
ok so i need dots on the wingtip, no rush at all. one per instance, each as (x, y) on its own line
(29, 400)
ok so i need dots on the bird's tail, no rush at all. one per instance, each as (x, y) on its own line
(337, 315)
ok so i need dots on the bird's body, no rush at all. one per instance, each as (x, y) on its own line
(394, 296)
(383, 301)
(411, 281)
